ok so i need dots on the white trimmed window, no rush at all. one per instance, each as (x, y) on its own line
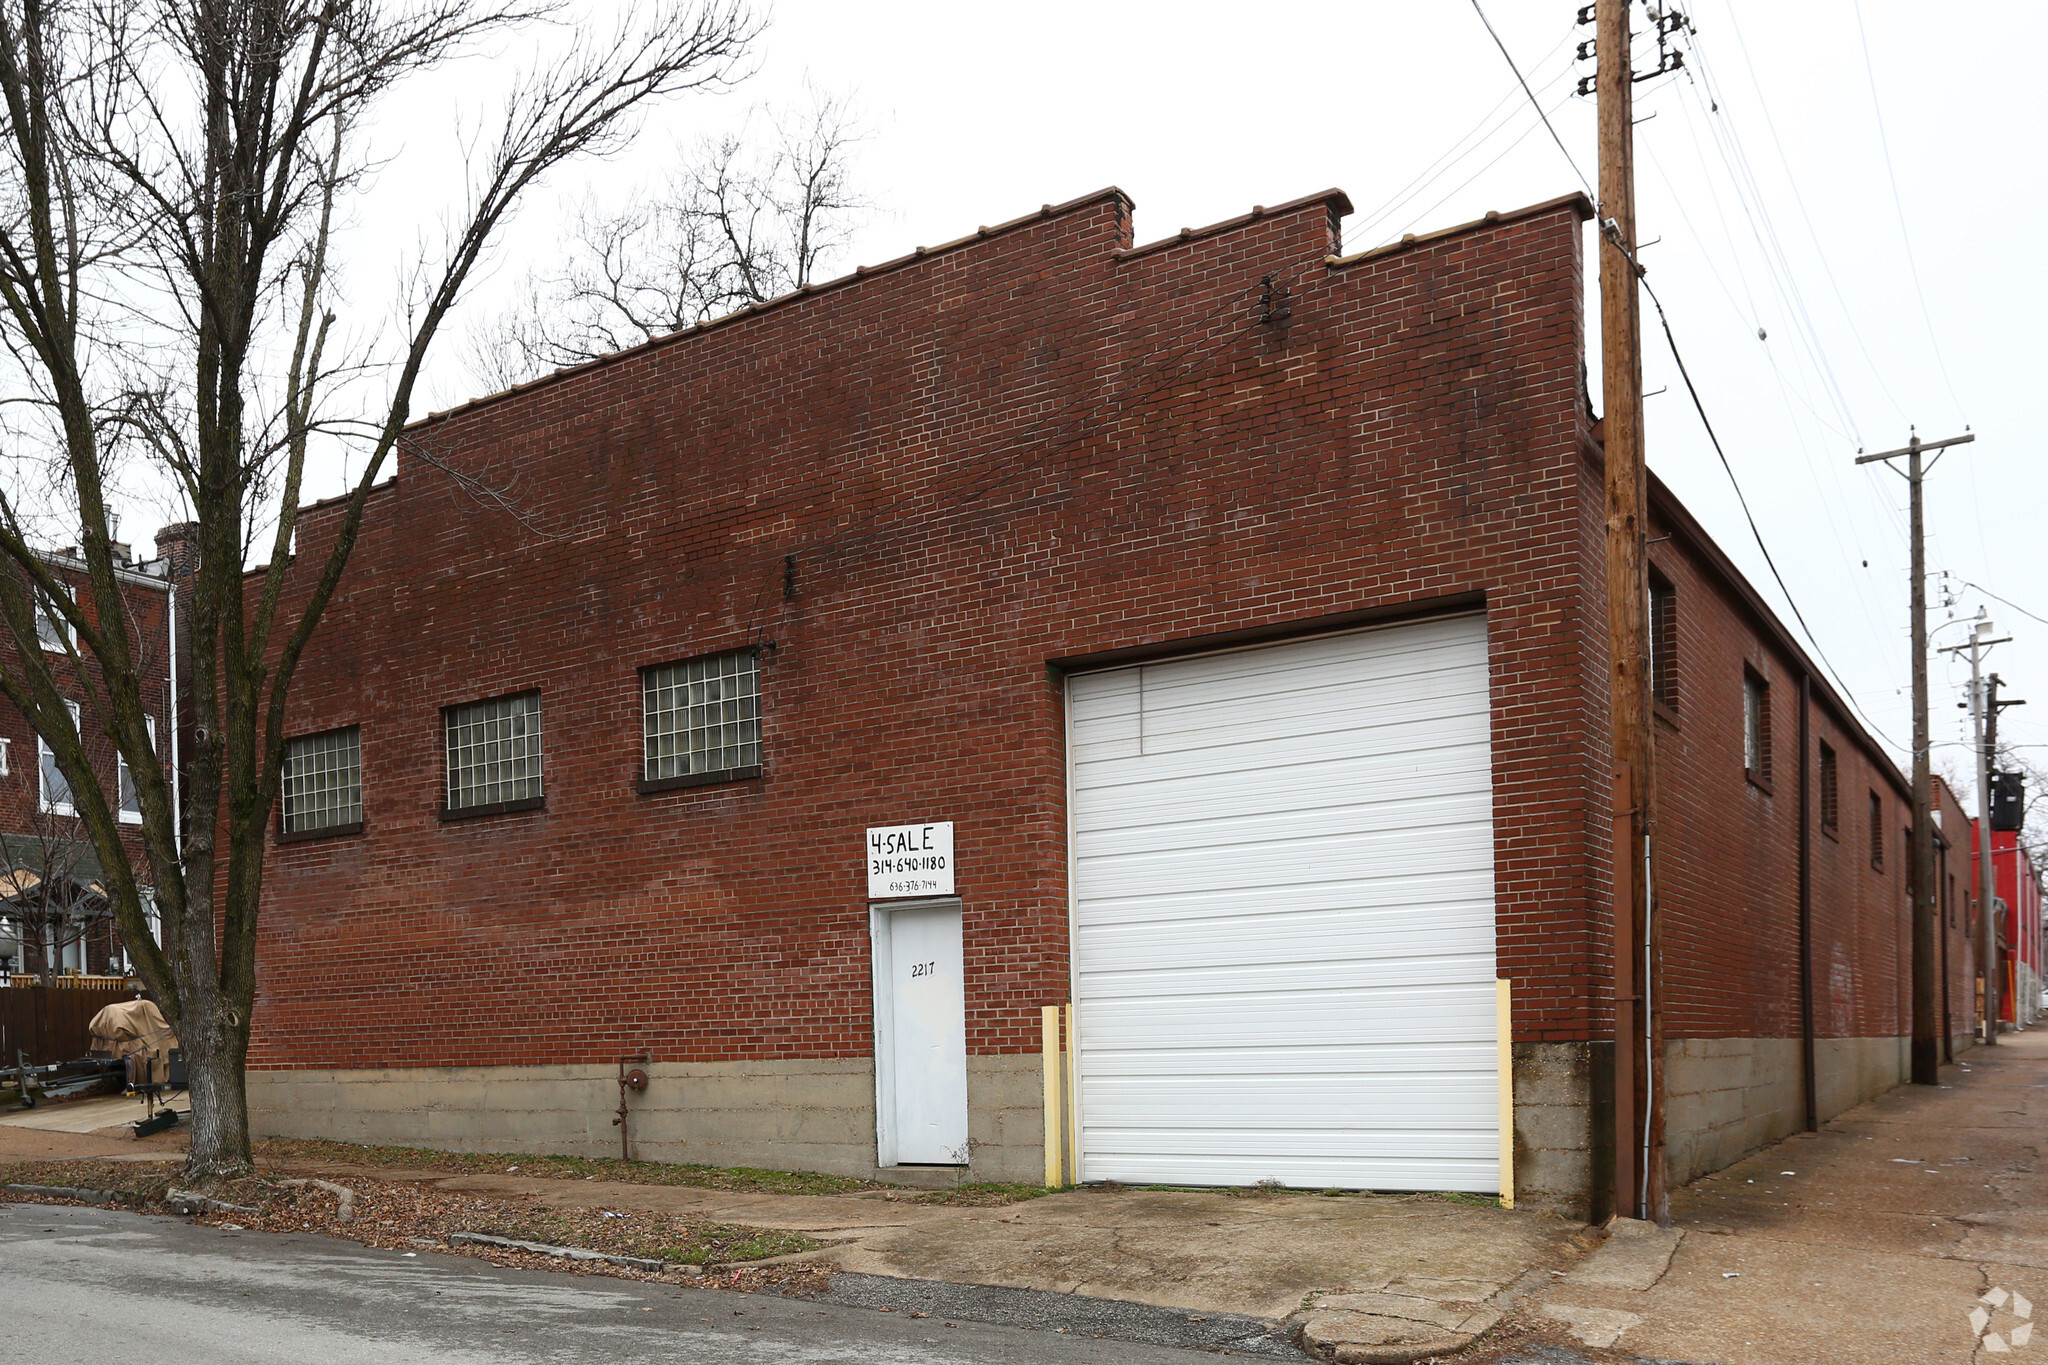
(323, 782)
(493, 753)
(53, 632)
(55, 790)
(702, 717)
(131, 799)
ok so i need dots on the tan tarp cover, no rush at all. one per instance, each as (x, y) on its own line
(130, 1027)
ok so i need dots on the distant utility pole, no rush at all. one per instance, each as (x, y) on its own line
(1639, 1034)
(1980, 640)
(1992, 706)
(1927, 1026)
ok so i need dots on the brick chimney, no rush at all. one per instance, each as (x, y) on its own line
(179, 544)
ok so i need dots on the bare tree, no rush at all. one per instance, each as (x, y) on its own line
(49, 892)
(743, 220)
(170, 175)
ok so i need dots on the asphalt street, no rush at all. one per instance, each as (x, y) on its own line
(84, 1284)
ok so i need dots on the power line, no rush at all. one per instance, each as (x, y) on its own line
(1458, 150)
(1741, 498)
(1899, 207)
(1798, 199)
(2007, 601)
(1586, 184)
(1413, 219)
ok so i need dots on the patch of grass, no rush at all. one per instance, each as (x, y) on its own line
(1484, 1201)
(988, 1193)
(748, 1179)
(682, 1241)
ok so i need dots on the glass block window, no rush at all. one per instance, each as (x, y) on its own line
(494, 752)
(323, 781)
(702, 716)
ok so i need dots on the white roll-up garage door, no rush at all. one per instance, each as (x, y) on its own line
(1283, 914)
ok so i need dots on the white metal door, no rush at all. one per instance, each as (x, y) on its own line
(1283, 914)
(920, 1035)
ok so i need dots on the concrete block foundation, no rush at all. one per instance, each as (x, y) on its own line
(1554, 1127)
(783, 1115)
(1728, 1097)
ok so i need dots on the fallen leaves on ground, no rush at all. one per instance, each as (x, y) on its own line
(409, 1216)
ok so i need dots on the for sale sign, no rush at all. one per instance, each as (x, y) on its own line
(910, 860)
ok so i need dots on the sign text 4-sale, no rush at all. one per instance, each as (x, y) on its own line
(910, 860)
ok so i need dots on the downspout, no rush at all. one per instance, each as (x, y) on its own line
(1806, 902)
(177, 802)
(1941, 901)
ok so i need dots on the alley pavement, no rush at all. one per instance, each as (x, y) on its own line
(1912, 1230)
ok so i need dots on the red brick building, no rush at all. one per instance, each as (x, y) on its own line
(49, 902)
(2017, 885)
(1216, 625)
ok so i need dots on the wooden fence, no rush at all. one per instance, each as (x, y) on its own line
(50, 1023)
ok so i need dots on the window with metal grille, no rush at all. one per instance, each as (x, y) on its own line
(323, 783)
(701, 718)
(1756, 727)
(494, 753)
(1663, 611)
(1876, 832)
(1830, 789)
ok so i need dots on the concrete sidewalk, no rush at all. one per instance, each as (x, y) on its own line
(1382, 1271)
(1874, 1240)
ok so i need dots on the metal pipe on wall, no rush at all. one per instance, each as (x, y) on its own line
(1806, 903)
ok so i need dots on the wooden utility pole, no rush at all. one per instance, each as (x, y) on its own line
(1628, 590)
(1927, 1025)
(1981, 639)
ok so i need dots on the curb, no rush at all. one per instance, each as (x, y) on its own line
(67, 1192)
(646, 1263)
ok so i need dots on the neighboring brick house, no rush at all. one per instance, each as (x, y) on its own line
(1956, 900)
(49, 872)
(1212, 634)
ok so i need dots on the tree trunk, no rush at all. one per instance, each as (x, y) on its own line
(214, 1053)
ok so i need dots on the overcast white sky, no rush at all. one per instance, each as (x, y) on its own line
(1777, 213)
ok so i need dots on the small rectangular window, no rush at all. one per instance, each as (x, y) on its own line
(1830, 790)
(53, 631)
(701, 718)
(323, 783)
(131, 799)
(56, 789)
(494, 754)
(1876, 832)
(1756, 727)
(1663, 642)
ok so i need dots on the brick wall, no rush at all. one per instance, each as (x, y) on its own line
(1730, 853)
(917, 491)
